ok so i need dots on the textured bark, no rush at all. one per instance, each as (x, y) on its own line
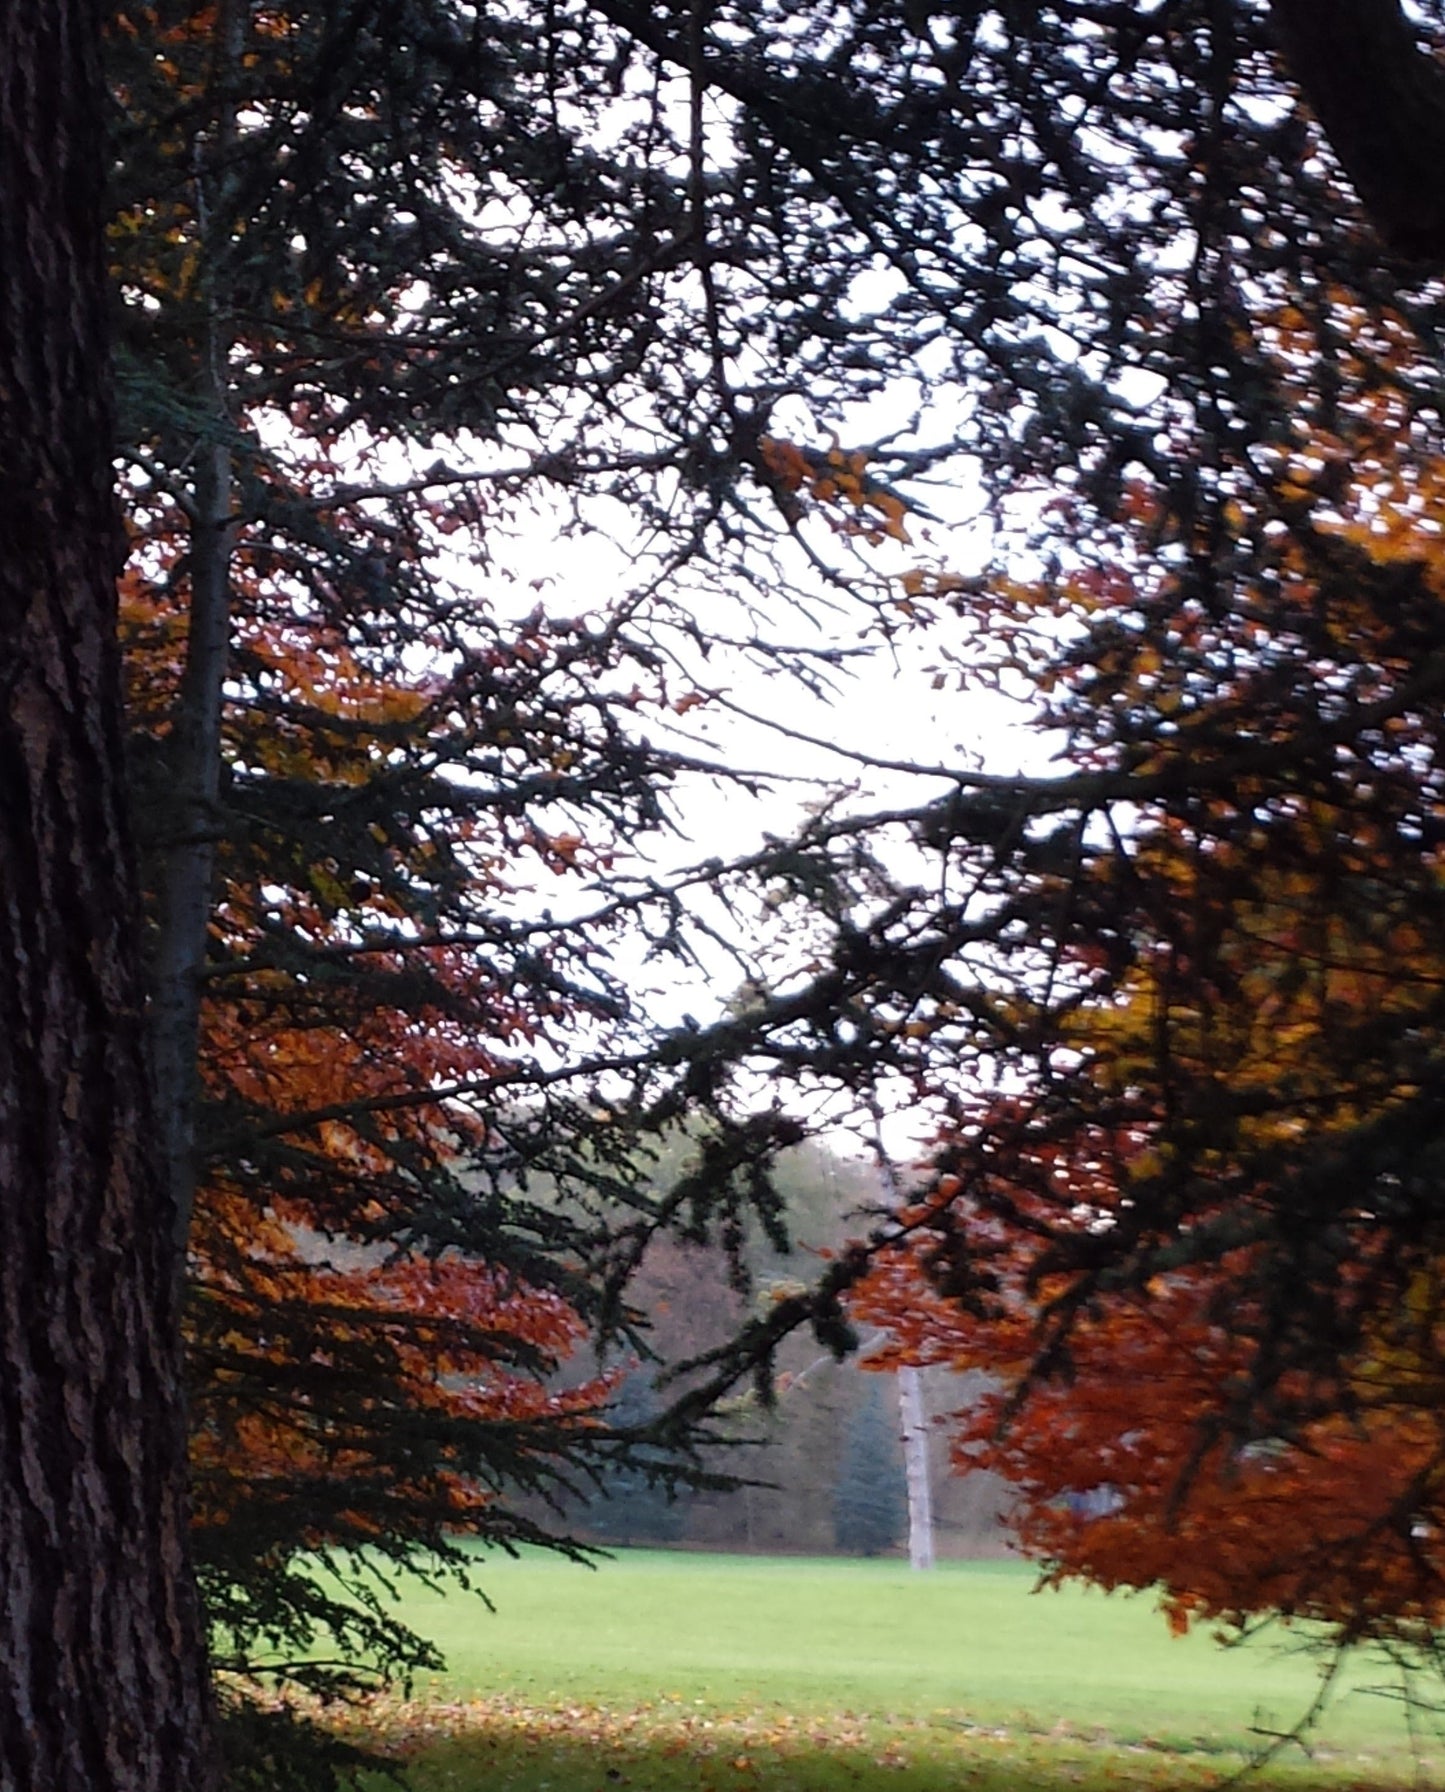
(102, 1668)
(1380, 99)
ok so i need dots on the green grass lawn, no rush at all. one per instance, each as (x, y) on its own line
(656, 1668)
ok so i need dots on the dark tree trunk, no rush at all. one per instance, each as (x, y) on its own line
(102, 1668)
(1380, 99)
(187, 860)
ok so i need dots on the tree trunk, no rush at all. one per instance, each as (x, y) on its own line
(102, 1665)
(1380, 99)
(186, 893)
(912, 1420)
(914, 1425)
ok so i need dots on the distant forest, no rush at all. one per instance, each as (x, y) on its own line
(826, 1474)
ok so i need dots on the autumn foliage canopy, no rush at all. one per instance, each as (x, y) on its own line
(1169, 1010)
(1193, 1237)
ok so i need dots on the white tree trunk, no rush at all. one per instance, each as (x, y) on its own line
(914, 1425)
(913, 1421)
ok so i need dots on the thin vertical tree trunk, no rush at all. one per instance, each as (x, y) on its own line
(103, 1683)
(913, 1422)
(186, 893)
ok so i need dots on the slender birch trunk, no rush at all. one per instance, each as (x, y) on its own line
(913, 1422)
(912, 1419)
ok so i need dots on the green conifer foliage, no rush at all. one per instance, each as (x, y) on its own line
(870, 1503)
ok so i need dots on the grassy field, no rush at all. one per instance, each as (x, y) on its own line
(662, 1671)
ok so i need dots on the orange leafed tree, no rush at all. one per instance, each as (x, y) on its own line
(1196, 1244)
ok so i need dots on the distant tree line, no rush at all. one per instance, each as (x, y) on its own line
(823, 1470)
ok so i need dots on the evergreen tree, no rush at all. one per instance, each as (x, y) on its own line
(870, 1503)
(400, 277)
(633, 1506)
